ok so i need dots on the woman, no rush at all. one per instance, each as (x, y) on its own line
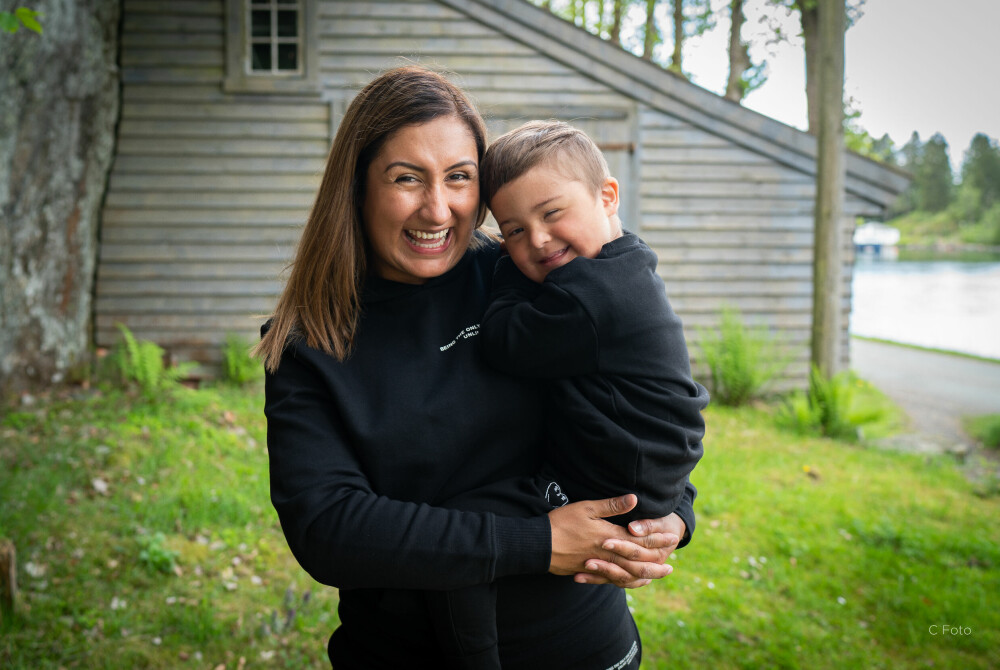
(380, 412)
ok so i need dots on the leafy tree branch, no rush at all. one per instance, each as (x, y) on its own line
(11, 22)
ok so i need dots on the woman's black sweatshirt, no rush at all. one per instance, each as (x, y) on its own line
(364, 454)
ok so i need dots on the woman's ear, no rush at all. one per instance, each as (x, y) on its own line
(609, 196)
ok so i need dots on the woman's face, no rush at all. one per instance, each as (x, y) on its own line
(421, 200)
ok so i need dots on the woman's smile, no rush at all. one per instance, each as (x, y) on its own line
(425, 241)
(422, 200)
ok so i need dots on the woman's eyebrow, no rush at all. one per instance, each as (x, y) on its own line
(404, 164)
(411, 166)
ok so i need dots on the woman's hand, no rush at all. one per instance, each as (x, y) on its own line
(599, 552)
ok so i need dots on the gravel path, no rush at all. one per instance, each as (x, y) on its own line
(936, 390)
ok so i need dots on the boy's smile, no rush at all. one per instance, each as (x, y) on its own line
(547, 219)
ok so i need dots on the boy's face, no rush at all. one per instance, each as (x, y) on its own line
(548, 219)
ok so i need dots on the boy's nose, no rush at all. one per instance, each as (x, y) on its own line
(539, 236)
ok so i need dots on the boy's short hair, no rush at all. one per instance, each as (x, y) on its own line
(514, 153)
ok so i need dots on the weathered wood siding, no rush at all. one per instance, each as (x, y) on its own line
(209, 190)
(733, 228)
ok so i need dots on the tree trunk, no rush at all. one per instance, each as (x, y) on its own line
(676, 63)
(599, 27)
(827, 265)
(58, 112)
(809, 15)
(615, 36)
(739, 53)
(8, 577)
(650, 40)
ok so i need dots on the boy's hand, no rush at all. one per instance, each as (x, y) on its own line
(660, 536)
(599, 552)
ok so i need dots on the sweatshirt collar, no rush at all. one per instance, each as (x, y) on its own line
(377, 289)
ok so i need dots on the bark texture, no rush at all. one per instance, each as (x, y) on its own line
(59, 103)
(809, 12)
(739, 53)
(8, 578)
(830, 179)
(649, 41)
(676, 63)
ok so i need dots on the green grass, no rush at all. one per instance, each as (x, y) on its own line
(146, 539)
(941, 236)
(946, 352)
(985, 429)
(811, 553)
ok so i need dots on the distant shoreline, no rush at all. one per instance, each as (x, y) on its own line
(946, 352)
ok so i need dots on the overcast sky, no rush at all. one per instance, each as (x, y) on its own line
(921, 65)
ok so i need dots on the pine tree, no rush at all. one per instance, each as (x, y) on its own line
(981, 170)
(934, 179)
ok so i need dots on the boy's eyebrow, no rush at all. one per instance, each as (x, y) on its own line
(417, 168)
(534, 207)
(543, 203)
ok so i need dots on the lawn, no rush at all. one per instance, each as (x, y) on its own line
(145, 539)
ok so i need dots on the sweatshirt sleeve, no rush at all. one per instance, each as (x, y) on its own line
(536, 330)
(345, 535)
(685, 510)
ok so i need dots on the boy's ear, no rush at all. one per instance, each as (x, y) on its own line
(609, 196)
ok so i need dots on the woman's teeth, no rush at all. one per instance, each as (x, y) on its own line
(433, 240)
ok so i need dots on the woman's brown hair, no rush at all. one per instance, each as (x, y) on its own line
(321, 301)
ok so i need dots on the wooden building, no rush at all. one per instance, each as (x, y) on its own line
(229, 107)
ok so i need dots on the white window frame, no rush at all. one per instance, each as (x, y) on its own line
(240, 78)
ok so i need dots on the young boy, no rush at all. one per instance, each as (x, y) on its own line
(578, 303)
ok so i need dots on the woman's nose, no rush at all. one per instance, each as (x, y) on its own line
(436, 207)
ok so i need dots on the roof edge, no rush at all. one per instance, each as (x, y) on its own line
(674, 95)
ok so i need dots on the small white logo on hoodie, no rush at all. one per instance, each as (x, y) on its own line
(554, 495)
(463, 334)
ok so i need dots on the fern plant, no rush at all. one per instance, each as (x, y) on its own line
(828, 408)
(741, 360)
(238, 367)
(141, 362)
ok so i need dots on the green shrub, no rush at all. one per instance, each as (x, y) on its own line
(741, 360)
(238, 367)
(985, 429)
(155, 555)
(141, 362)
(828, 408)
(986, 230)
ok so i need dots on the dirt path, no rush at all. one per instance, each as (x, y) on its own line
(936, 390)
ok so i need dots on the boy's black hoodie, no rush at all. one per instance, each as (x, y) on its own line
(624, 414)
(365, 452)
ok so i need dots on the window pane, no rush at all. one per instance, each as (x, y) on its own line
(288, 57)
(288, 2)
(261, 57)
(260, 23)
(288, 24)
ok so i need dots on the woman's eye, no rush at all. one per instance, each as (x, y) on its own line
(459, 176)
(405, 179)
(511, 232)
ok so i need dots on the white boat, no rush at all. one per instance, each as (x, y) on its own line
(876, 239)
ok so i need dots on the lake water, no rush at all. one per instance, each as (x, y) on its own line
(949, 305)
